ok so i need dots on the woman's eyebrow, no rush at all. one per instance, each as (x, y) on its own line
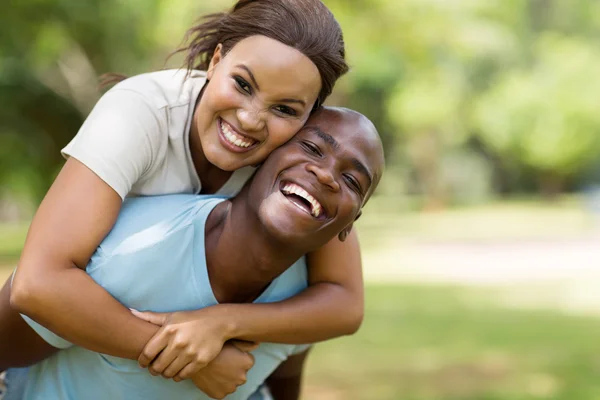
(245, 68)
(253, 79)
(301, 102)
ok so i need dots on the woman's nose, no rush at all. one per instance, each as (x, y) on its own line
(251, 119)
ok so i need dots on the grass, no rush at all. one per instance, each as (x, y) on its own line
(387, 220)
(425, 343)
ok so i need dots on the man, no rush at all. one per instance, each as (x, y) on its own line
(187, 252)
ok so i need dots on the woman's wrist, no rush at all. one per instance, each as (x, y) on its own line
(226, 320)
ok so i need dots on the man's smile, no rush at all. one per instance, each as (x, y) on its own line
(302, 199)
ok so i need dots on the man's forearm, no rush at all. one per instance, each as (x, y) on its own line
(100, 324)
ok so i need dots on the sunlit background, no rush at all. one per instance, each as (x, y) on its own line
(482, 248)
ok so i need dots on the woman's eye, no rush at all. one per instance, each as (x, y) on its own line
(311, 148)
(285, 110)
(243, 85)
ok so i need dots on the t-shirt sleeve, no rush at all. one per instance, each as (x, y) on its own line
(119, 139)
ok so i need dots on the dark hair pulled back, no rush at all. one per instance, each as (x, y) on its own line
(305, 25)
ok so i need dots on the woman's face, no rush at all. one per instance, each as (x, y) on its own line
(258, 96)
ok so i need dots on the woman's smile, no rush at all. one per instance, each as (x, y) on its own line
(233, 140)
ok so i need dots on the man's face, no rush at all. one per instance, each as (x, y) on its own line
(313, 187)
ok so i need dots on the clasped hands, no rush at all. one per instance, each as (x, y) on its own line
(195, 345)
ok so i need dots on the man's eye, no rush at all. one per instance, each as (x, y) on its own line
(354, 183)
(243, 85)
(285, 110)
(311, 148)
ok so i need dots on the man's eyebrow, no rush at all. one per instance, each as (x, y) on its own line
(327, 138)
(360, 167)
(242, 66)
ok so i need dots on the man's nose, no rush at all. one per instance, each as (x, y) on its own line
(251, 119)
(324, 176)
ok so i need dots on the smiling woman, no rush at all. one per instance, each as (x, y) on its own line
(254, 75)
(249, 108)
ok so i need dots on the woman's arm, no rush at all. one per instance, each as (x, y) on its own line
(51, 285)
(331, 306)
(20, 345)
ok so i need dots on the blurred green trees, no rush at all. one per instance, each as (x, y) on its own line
(472, 97)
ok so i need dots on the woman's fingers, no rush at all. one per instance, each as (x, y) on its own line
(153, 348)
(164, 359)
(188, 371)
(154, 318)
(174, 367)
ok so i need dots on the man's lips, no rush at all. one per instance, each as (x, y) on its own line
(302, 199)
(233, 139)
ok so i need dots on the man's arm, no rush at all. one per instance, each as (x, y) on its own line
(285, 382)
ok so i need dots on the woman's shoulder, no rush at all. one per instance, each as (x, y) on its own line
(165, 88)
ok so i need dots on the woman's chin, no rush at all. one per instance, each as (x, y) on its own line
(226, 160)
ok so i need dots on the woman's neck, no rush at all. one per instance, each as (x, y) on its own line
(211, 177)
(241, 257)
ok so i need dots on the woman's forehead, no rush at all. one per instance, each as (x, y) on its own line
(275, 66)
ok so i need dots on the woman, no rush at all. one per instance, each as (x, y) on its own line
(268, 64)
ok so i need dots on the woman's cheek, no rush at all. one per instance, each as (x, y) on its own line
(284, 130)
(224, 97)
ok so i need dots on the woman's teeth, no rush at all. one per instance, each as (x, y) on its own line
(292, 188)
(233, 137)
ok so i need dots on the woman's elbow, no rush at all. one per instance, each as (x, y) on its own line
(25, 293)
(351, 320)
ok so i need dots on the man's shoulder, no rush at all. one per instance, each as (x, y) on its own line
(152, 219)
(291, 282)
(156, 208)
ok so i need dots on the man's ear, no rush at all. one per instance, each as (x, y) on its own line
(344, 234)
(216, 58)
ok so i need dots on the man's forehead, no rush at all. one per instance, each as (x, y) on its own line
(352, 142)
(345, 133)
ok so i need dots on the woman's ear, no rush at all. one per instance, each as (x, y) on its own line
(216, 58)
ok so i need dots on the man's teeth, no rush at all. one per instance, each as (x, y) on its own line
(233, 137)
(316, 207)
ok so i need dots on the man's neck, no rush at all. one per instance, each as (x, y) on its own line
(241, 257)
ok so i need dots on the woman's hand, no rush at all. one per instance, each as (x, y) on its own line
(224, 374)
(186, 342)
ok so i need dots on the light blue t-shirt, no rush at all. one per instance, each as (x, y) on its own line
(153, 259)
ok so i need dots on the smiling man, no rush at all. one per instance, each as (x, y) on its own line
(187, 252)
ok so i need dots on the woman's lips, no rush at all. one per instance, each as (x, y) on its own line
(232, 139)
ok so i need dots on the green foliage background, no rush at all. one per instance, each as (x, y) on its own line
(474, 98)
